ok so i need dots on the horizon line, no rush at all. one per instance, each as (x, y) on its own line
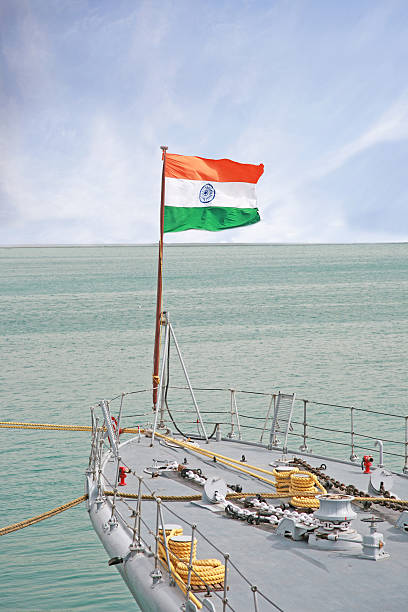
(181, 244)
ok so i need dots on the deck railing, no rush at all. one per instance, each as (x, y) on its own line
(320, 428)
(233, 414)
(147, 527)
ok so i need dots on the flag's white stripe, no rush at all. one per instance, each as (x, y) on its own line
(183, 192)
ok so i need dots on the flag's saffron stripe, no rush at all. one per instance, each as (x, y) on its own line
(213, 219)
(201, 169)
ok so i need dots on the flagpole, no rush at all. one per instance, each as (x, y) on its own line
(156, 357)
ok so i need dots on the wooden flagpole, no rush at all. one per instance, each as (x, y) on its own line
(156, 357)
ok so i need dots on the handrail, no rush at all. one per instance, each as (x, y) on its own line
(302, 428)
(298, 399)
(153, 532)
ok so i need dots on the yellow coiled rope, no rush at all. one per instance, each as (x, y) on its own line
(204, 571)
(302, 484)
(163, 559)
(173, 529)
(210, 571)
(282, 476)
(180, 547)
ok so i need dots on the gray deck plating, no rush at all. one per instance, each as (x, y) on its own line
(292, 574)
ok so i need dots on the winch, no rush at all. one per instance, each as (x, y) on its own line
(334, 531)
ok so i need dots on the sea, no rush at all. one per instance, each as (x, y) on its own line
(329, 322)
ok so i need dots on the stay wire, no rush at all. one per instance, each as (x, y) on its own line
(166, 389)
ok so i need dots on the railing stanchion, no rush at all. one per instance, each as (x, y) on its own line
(112, 522)
(273, 441)
(99, 443)
(405, 468)
(254, 590)
(156, 573)
(231, 433)
(304, 445)
(94, 445)
(119, 417)
(172, 581)
(136, 545)
(225, 599)
(234, 412)
(156, 550)
(267, 417)
(139, 511)
(190, 563)
(353, 456)
(92, 439)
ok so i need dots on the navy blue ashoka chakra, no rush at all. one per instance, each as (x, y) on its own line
(207, 193)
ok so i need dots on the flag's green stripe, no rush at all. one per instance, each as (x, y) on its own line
(212, 218)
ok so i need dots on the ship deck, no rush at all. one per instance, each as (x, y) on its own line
(292, 574)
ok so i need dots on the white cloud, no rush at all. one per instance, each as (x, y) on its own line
(391, 126)
(94, 91)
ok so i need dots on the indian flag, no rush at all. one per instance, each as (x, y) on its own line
(209, 194)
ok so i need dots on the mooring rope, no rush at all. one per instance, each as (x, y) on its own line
(42, 517)
(232, 463)
(184, 498)
(56, 427)
(44, 426)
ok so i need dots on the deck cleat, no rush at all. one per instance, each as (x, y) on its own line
(111, 524)
(156, 575)
(99, 501)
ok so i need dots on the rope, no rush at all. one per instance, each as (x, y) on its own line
(56, 427)
(234, 463)
(305, 494)
(302, 482)
(204, 572)
(381, 499)
(210, 571)
(186, 498)
(42, 517)
(181, 549)
(44, 426)
(283, 480)
(154, 497)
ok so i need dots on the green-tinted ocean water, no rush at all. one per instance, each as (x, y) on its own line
(77, 325)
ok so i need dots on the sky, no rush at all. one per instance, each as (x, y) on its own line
(316, 90)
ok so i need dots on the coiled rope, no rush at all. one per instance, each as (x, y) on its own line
(42, 517)
(205, 572)
(180, 546)
(282, 475)
(302, 482)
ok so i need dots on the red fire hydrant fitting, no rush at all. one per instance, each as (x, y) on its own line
(366, 464)
(123, 472)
